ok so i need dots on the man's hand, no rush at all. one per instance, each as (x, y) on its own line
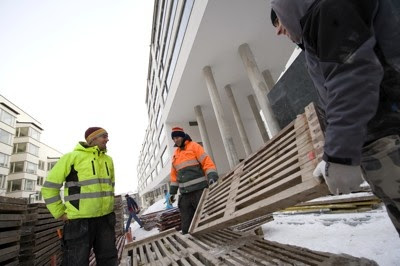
(340, 178)
(212, 178)
(172, 199)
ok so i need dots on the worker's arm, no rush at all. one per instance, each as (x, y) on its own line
(207, 164)
(51, 187)
(345, 57)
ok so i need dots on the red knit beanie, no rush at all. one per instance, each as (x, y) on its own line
(93, 132)
(177, 132)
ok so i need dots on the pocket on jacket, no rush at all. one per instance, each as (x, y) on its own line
(75, 229)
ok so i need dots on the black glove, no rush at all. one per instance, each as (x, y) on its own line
(212, 178)
(172, 199)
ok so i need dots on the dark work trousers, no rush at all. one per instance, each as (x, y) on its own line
(187, 204)
(80, 235)
(133, 215)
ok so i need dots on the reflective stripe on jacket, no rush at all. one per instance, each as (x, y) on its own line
(87, 175)
(191, 168)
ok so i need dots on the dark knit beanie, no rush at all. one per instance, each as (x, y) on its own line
(274, 17)
(93, 132)
(177, 132)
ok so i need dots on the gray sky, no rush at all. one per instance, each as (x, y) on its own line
(72, 64)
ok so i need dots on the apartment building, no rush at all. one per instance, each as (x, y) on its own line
(213, 66)
(24, 159)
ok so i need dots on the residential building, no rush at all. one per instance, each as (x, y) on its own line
(212, 67)
(24, 159)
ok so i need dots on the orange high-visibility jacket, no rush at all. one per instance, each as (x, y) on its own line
(191, 168)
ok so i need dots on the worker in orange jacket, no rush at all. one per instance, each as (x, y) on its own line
(192, 170)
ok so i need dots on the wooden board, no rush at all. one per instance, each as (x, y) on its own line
(277, 176)
(225, 247)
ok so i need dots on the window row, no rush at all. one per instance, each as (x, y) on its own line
(7, 118)
(21, 185)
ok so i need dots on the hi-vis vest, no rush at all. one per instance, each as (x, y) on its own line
(190, 168)
(88, 178)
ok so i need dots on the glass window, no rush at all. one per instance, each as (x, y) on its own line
(5, 137)
(3, 181)
(169, 34)
(153, 174)
(17, 167)
(158, 117)
(29, 185)
(7, 118)
(22, 132)
(151, 160)
(39, 180)
(33, 149)
(164, 157)
(156, 151)
(41, 165)
(31, 168)
(50, 165)
(35, 134)
(179, 39)
(19, 147)
(164, 94)
(161, 136)
(4, 159)
(158, 168)
(14, 185)
(38, 196)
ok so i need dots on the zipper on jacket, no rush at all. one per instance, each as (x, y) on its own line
(108, 173)
(94, 171)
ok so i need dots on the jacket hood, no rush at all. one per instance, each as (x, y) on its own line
(289, 13)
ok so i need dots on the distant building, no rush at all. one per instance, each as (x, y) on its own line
(211, 67)
(24, 159)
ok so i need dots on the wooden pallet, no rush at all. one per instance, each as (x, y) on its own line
(11, 215)
(277, 176)
(225, 247)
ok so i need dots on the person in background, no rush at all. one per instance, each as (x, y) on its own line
(87, 174)
(167, 200)
(133, 209)
(353, 57)
(192, 171)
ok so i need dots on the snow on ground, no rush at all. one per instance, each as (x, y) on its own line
(367, 234)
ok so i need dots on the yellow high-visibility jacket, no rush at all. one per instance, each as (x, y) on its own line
(87, 175)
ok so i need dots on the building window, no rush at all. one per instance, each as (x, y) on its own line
(5, 137)
(156, 151)
(14, 185)
(33, 149)
(158, 117)
(17, 167)
(161, 136)
(169, 33)
(158, 168)
(19, 147)
(31, 168)
(153, 175)
(7, 118)
(164, 157)
(22, 132)
(164, 94)
(35, 134)
(4, 159)
(3, 181)
(38, 196)
(151, 160)
(50, 165)
(41, 165)
(29, 185)
(40, 180)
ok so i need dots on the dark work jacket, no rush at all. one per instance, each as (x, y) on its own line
(132, 205)
(352, 49)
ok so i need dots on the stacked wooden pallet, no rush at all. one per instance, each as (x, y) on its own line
(226, 248)
(119, 215)
(169, 219)
(252, 224)
(11, 215)
(40, 244)
(277, 176)
(339, 205)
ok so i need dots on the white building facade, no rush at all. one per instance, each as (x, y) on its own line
(211, 65)
(24, 159)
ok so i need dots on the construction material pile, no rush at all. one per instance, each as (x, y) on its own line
(162, 220)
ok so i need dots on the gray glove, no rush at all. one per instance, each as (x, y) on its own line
(212, 178)
(340, 178)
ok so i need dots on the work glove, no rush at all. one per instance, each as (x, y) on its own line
(172, 199)
(340, 178)
(212, 178)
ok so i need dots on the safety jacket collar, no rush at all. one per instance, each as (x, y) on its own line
(83, 146)
(183, 145)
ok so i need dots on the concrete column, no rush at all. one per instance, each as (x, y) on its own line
(257, 116)
(203, 131)
(259, 86)
(223, 126)
(238, 120)
(268, 80)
